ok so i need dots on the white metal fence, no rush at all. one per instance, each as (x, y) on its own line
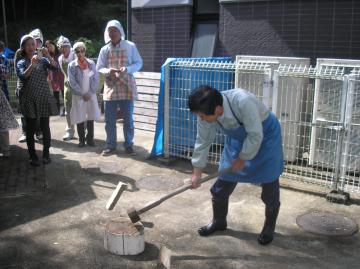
(318, 108)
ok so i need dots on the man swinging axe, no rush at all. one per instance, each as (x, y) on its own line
(253, 148)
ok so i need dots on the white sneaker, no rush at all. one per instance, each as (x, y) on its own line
(39, 136)
(22, 138)
(67, 136)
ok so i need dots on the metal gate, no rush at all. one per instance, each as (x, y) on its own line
(179, 124)
(350, 149)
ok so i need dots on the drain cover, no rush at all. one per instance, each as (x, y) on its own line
(104, 167)
(159, 183)
(327, 224)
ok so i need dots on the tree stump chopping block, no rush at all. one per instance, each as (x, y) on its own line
(122, 237)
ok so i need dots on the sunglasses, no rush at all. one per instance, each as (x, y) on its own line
(79, 51)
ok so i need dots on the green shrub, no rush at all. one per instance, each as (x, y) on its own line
(92, 47)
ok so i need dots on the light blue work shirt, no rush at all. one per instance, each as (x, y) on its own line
(251, 113)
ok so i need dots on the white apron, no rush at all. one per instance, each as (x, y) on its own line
(82, 111)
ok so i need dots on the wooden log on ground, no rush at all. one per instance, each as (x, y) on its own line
(122, 237)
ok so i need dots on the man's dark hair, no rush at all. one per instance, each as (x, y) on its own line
(204, 99)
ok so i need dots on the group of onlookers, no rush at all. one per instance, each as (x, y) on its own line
(46, 71)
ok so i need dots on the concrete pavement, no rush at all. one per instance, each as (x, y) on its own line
(53, 216)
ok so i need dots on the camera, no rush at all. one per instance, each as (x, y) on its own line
(39, 52)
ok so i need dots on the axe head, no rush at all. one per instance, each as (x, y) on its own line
(133, 215)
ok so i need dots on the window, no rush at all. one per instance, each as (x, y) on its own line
(204, 40)
(206, 7)
(205, 27)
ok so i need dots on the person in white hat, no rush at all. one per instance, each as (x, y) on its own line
(36, 100)
(39, 41)
(18, 92)
(118, 60)
(84, 81)
(37, 35)
(67, 56)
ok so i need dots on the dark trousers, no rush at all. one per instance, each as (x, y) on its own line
(5, 90)
(63, 97)
(90, 131)
(24, 126)
(30, 131)
(270, 194)
(57, 98)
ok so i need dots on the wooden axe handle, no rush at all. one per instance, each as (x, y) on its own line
(180, 190)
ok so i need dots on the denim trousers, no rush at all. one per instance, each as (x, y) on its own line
(127, 108)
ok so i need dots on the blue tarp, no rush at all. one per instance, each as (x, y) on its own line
(9, 53)
(184, 120)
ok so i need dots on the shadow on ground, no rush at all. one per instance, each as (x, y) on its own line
(29, 193)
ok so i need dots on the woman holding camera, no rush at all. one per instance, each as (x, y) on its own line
(36, 99)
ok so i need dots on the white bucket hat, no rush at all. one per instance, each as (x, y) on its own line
(63, 41)
(79, 45)
(117, 25)
(25, 37)
(37, 34)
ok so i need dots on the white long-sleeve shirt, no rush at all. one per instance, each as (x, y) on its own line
(250, 112)
(134, 60)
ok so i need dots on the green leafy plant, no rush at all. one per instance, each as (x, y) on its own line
(92, 47)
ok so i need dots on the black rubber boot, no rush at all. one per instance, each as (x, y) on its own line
(81, 133)
(34, 160)
(267, 233)
(90, 134)
(218, 223)
(46, 156)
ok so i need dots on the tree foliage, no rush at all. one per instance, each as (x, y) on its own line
(71, 18)
(92, 48)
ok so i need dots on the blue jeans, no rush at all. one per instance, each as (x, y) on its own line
(127, 108)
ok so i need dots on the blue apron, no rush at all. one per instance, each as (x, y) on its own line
(267, 165)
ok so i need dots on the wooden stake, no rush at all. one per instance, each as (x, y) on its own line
(164, 261)
(115, 196)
